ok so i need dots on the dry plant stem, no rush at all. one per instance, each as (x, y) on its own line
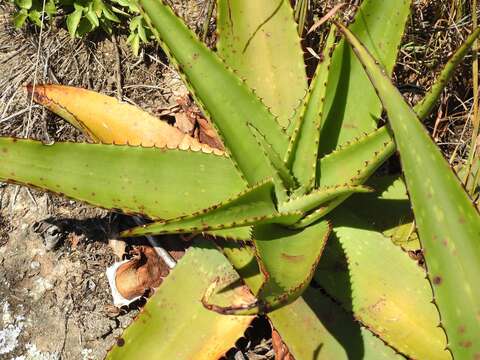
(118, 68)
(301, 8)
(29, 119)
(18, 113)
(475, 119)
(161, 252)
(208, 17)
(327, 16)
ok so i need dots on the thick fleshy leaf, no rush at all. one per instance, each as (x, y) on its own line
(259, 41)
(447, 221)
(352, 164)
(302, 154)
(320, 196)
(158, 183)
(174, 324)
(288, 259)
(387, 210)
(109, 121)
(351, 106)
(355, 162)
(386, 290)
(255, 205)
(229, 102)
(314, 327)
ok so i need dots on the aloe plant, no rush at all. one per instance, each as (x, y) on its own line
(296, 152)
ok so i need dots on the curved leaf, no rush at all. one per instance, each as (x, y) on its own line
(109, 121)
(287, 258)
(351, 105)
(447, 221)
(190, 331)
(386, 290)
(315, 328)
(259, 40)
(226, 98)
(158, 183)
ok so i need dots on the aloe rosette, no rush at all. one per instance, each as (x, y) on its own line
(299, 156)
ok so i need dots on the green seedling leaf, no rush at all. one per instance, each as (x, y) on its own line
(92, 17)
(160, 331)
(255, 205)
(327, 332)
(110, 15)
(35, 16)
(24, 4)
(351, 105)
(158, 183)
(50, 8)
(73, 20)
(258, 39)
(134, 41)
(19, 18)
(447, 221)
(229, 101)
(386, 290)
(302, 154)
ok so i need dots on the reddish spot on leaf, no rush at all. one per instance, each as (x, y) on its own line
(293, 258)
(466, 344)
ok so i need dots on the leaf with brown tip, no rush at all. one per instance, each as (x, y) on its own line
(107, 120)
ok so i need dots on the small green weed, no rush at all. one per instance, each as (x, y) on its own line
(84, 16)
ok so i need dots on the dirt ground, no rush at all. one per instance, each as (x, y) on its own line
(55, 300)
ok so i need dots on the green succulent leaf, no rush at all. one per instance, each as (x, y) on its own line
(276, 162)
(389, 210)
(302, 154)
(255, 205)
(258, 39)
(288, 259)
(160, 331)
(230, 103)
(320, 196)
(327, 331)
(386, 290)
(447, 221)
(147, 181)
(351, 106)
